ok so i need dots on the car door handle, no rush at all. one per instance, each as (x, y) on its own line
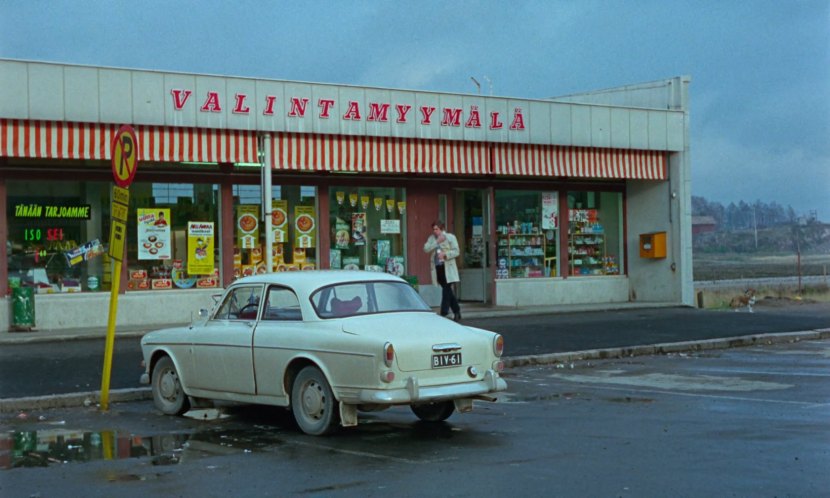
(250, 324)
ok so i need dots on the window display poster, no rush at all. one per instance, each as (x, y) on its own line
(154, 233)
(390, 226)
(305, 219)
(395, 265)
(200, 235)
(247, 226)
(342, 235)
(359, 229)
(351, 263)
(550, 208)
(336, 259)
(279, 220)
(383, 249)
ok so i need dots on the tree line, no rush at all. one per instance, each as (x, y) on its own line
(760, 226)
(742, 216)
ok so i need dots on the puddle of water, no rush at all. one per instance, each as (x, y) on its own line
(57, 446)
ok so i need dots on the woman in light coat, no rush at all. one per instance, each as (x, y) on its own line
(443, 249)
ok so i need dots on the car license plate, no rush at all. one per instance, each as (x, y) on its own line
(446, 360)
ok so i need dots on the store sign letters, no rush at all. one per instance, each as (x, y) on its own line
(80, 212)
(381, 112)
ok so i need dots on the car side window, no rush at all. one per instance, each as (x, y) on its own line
(282, 304)
(241, 303)
(342, 301)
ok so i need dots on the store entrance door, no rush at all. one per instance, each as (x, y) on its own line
(472, 228)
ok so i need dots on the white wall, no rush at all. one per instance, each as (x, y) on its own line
(561, 291)
(135, 309)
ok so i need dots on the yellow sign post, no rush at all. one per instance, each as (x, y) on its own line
(124, 166)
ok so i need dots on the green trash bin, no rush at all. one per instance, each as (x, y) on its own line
(23, 308)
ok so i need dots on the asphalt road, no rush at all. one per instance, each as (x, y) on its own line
(739, 422)
(46, 368)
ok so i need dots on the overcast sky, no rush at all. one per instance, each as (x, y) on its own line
(760, 91)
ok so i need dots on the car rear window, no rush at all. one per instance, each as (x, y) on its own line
(362, 298)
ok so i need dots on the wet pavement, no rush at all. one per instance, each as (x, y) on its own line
(737, 422)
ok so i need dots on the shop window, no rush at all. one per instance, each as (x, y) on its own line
(367, 229)
(173, 236)
(294, 223)
(57, 236)
(527, 231)
(595, 233)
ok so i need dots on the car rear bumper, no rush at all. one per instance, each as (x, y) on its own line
(413, 393)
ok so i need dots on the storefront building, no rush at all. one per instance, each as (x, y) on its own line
(580, 199)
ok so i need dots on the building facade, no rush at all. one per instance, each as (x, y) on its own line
(579, 199)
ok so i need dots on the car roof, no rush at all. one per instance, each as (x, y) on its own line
(308, 281)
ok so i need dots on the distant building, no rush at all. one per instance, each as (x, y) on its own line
(703, 224)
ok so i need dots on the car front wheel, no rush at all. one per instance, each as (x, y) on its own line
(168, 394)
(434, 412)
(312, 403)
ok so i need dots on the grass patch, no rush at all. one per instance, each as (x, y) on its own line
(736, 266)
(721, 297)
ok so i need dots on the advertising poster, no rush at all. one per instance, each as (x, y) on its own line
(154, 233)
(550, 207)
(200, 235)
(359, 229)
(279, 220)
(383, 249)
(247, 226)
(336, 259)
(305, 220)
(342, 234)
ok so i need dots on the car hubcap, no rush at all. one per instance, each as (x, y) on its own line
(168, 387)
(313, 400)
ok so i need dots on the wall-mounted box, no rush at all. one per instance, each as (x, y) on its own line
(653, 245)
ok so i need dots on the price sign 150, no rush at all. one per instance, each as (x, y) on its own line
(32, 234)
(36, 234)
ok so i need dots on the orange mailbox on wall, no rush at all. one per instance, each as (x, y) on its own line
(653, 245)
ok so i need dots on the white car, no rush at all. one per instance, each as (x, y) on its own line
(326, 344)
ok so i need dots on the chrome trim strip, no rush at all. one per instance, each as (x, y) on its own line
(448, 346)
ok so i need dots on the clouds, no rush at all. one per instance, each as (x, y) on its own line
(760, 70)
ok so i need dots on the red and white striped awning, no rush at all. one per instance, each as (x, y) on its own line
(62, 140)
(306, 152)
(578, 162)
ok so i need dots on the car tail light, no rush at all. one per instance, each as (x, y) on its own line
(498, 345)
(387, 376)
(498, 366)
(388, 354)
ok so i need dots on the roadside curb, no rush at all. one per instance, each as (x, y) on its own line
(666, 348)
(74, 400)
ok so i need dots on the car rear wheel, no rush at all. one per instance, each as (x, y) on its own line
(434, 412)
(168, 394)
(312, 403)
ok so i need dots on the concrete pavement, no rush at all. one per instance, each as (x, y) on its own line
(470, 311)
(550, 335)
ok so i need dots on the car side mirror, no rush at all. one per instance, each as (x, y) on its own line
(203, 314)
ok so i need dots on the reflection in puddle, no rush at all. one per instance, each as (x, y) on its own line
(42, 448)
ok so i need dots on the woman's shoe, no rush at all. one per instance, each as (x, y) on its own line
(457, 317)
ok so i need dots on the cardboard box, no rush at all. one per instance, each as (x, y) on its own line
(162, 283)
(138, 274)
(207, 282)
(138, 284)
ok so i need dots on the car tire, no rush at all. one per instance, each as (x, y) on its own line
(168, 395)
(312, 403)
(434, 412)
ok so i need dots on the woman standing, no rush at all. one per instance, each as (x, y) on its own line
(443, 249)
